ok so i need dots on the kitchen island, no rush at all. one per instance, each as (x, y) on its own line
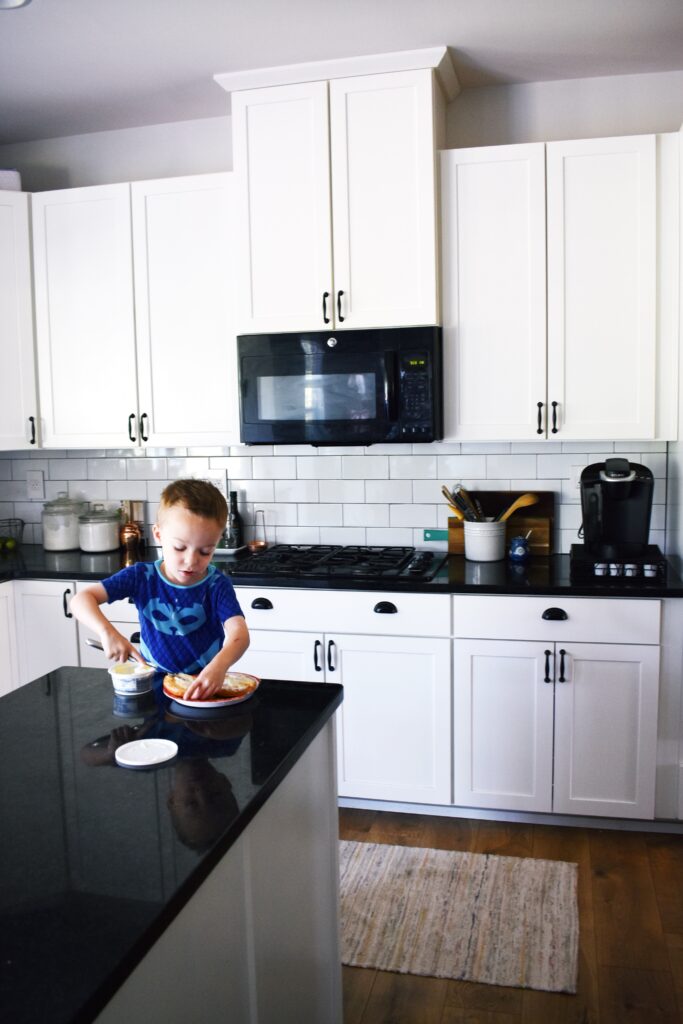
(203, 889)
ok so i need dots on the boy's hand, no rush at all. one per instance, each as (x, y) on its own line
(207, 683)
(117, 648)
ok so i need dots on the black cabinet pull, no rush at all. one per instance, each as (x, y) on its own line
(385, 608)
(32, 421)
(316, 650)
(554, 615)
(339, 316)
(330, 645)
(131, 421)
(539, 427)
(326, 318)
(547, 678)
(261, 604)
(561, 678)
(135, 637)
(65, 606)
(145, 437)
(554, 405)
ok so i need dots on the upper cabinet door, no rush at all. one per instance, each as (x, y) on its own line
(183, 239)
(602, 206)
(493, 237)
(282, 167)
(84, 316)
(18, 393)
(384, 200)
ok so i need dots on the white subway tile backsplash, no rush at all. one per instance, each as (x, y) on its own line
(68, 469)
(271, 467)
(320, 515)
(127, 490)
(557, 465)
(322, 467)
(413, 515)
(293, 534)
(451, 468)
(365, 467)
(347, 490)
(21, 466)
(238, 466)
(107, 469)
(29, 511)
(510, 465)
(88, 490)
(254, 490)
(294, 490)
(492, 448)
(366, 515)
(5, 469)
(403, 537)
(343, 535)
(12, 490)
(147, 469)
(412, 467)
(180, 467)
(396, 492)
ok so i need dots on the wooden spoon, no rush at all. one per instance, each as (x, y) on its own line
(521, 502)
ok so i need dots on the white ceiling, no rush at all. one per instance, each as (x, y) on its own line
(74, 66)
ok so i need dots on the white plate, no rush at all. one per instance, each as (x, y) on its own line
(145, 753)
(216, 702)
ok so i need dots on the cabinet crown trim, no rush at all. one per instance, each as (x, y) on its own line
(436, 57)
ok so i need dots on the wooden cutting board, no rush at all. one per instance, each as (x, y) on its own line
(537, 518)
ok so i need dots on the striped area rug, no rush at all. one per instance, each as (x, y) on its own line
(470, 916)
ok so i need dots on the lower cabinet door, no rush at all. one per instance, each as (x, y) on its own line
(283, 655)
(393, 726)
(9, 676)
(502, 725)
(46, 633)
(606, 730)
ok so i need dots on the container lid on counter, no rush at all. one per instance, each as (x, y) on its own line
(63, 503)
(100, 514)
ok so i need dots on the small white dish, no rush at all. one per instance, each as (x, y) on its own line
(145, 753)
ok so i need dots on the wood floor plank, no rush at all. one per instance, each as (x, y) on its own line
(356, 823)
(666, 864)
(504, 838)
(405, 999)
(629, 996)
(398, 829)
(628, 929)
(450, 834)
(470, 997)
(357, 984)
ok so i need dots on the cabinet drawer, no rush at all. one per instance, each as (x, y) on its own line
(346, 611)
(592, 620)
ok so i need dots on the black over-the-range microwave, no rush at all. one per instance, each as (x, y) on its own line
(344, 388)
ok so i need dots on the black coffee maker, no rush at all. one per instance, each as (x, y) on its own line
(616, 502)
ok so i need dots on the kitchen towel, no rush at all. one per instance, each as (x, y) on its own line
(470, 916)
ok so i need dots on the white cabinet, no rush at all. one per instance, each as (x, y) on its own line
(46, 630)
(608, 264)
(9, 673)
(19, 423)
(558, 722)
(124, 364)
(337, 194)
(394, 723)
(186, 358)
(123, 615)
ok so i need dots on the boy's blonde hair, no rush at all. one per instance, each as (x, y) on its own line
(197, 496)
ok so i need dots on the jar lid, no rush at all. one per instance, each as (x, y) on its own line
(100, 514)
(63, 503)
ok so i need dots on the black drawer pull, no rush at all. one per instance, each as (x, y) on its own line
(316, 650)
(65, 606)
(385, 608)
(554, 615)
(330, 665)
(554, 429)
(131, 421)
(326, 318)
(339, 315)
(143, 428)
(261, 604)
(135, 637)
(547, 678)
(539, 428)
(32, 421)
(561, 678)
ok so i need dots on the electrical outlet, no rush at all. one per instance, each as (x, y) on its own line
(576, 477)
(35, 487)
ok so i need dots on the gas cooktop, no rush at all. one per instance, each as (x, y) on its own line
(340, 562)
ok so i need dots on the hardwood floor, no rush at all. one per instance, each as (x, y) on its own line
(631, 928)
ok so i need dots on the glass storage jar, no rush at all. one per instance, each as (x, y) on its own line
(98, 529)
(60, 522)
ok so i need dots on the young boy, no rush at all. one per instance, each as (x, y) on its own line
(190, 619)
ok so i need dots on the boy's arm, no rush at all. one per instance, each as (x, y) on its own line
(85, 605)
(212, 676)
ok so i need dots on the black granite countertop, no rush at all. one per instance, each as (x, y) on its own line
(457, 576)
(95, 859)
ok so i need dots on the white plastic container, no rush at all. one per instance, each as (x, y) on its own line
(484, 542)
(132, 679)
(60, 523)
(98, 530)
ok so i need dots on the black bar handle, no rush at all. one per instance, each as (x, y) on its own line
(131, 421)
(32, 421)
(65, 606)
(539, 427)
(326, 318)
(316, 650)
(261, 604)
(554, 615)
(330, 645)
(554, 405)
(145, 437)
(547, 678)
(339, 316)
(135, 637)
(561, 678)
(385, 608)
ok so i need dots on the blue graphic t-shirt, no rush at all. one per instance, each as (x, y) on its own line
(181, 628)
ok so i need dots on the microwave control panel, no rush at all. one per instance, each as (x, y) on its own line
(416, 407)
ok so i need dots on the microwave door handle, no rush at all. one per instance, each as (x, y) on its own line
(390, 384)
